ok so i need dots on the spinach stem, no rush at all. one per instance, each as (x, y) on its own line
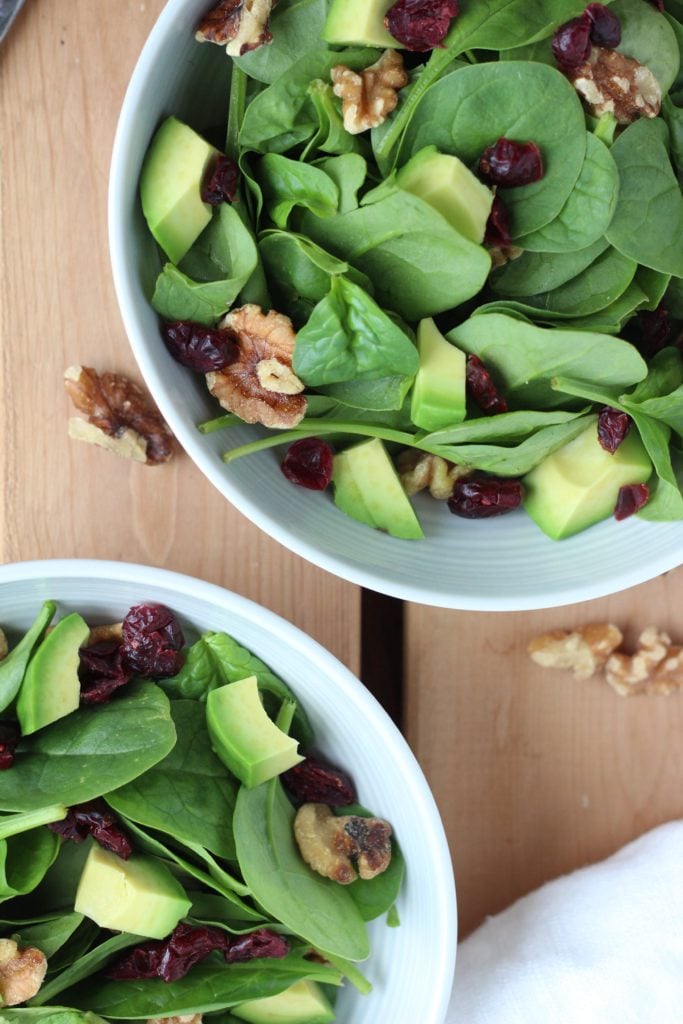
(13, 824)
(316, 428)
(219, 423)
(238, 106)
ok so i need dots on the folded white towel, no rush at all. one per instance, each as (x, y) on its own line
(603, 945)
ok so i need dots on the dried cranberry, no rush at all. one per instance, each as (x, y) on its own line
(309, 463)
(101, 671)
(152, 641)
(200, 348)
(482, 389)
(655, 329)
(572, 42)
(262, 944)
(613, 426)
(631, 498)
(222, 181)
(97, 820)
(9, 738)
(510, 163)
(497, 234)
(421, 24)
(485, 497)
(605, 26)
(312, 782)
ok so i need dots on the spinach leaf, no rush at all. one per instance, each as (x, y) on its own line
(210, 908)
(13, 667)
(673, 115)
(612, 318)
(317, 909)
(472, 107)
(48, 1015)
(289, 183)
(507, 427)
(666, 500)
(296, 27)
(190, 794)
(349, 337)
(84, 967)
(649, 38)
(13, 824)
(384, 395)
(648, 222)
(673, 300)
(49, 936)
(25, 860)
(56, 893)
(537, 272)
(331, 136)
(660, 395)
(90, 751)
(595, 288)
(83, 939)
(654, 284)
(349, 171)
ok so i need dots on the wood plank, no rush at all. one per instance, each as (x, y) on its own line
(534, 772)
(63, 74)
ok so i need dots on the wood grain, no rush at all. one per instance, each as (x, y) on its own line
(63, 72)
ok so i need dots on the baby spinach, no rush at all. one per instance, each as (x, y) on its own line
(385, 394)
(506, 427)
(537, 272)
(654, 284)
(296, 27)
(49, 936)
(331, 136)
(25, 860)
(349, 171)
(666, 500)
(649, 38)
(12, 667)
(84, 967)
(593, 289)
(48, 1015)
(612, 318)
(289, 183)
(660, 395)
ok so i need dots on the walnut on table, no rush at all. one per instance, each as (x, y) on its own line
(239, 25)
(610, 82)
(368, 97)
(584, 650)
(420, 470)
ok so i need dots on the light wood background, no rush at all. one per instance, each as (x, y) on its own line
(534, 773)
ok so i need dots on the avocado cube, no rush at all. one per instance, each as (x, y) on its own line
(368, 488)
(449, 186)
(302, 1003)
(439, 397)
(359, 22)
(51, 689)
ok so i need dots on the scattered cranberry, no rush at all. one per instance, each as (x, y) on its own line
(605, 26)
(482, 389)
(572, 42)
(497, 234)
(200, 348)
(9, 738)
(101, 671)
(309, 463)
(172, 958)
(312, 782)
(152, 641)
(509, 163)
(631, 498)
(97, 820)
(485, 497)
(221, 183)
(421, 24)
(613, 426)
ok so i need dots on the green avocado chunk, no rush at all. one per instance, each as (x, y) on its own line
(139, 895)
(449, 186)
(302, 1003)
(368, 488)
(579, 484)
(439, 395)
(170, 187)
(51, 689)
(359, 22)
(244, 737)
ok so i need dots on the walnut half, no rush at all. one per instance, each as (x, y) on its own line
(21, 972)
(370, 96)
(655, 668)
(584, 650)
(610, 82)
(330, 844)
(239, 25)
(420, 470)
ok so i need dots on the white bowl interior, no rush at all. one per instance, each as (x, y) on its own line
(412, 966)
(499, 565)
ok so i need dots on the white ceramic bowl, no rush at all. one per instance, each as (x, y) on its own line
(411, 967)
(493, 565)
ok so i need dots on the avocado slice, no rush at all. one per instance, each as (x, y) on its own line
(302, 1003)
(449, 186)
(368, 488)
(578, 485)
(139, 895)
(244, 737)
(170, 185)
(439, 397)
(51, 688)
(359, 22)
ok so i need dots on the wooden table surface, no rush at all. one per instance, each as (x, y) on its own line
(534, 772)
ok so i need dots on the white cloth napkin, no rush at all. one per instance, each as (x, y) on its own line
(603, 945)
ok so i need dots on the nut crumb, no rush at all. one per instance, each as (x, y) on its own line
(22, 972)
(610, 82)
(420, 470)
(583, 651)
(239, 25)
(330, 845)
(102, 634)
(188, 1018)
(368, 97)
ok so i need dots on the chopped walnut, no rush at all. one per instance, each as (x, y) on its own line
(419, 470)
(330, 844)
(260, 386)
(655, 668)
(611, 83)
(188, 1018)
(21, 972)
(4, 648)
(101, 634)
(120, 416)
(502, 254)
(583, 651)
(239, 25)
(370, 96)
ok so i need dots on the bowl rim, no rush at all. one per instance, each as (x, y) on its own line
(418, 592)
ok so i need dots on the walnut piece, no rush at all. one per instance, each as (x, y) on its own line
(420, 470)
(583, 651)
(120, 416)
(21, 972)
(102, 634)
(4, 648)
(370, 96)
(239, 25)
(611, 83)
(655, 668)
(188, 1018)
(330, 844)
(260, 386)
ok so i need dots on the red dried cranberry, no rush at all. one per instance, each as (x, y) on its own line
(152, 641)
(97, 820)
(200, 348)
(631, 498)
(613, 426)
(655, 330)
(259, 945)
(485, 497)
(605, 26)
(420, 24)
(222, 181)
(482, 389)
(101, 671)
(309, 463)
(572, 42)
(497, 234)
(312, 782)
(510, 163)
(9, 738)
